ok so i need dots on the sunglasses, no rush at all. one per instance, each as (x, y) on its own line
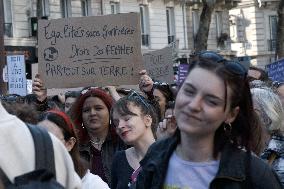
(277, 84)
(134, 95)
(233, 66)
(85, 90)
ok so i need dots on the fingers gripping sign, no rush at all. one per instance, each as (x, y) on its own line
(146, 83)
(38, 88)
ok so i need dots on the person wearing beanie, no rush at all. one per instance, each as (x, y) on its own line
(98, 141)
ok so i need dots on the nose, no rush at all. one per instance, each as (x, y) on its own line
(121, 124)
(195, 104)
(93, 111)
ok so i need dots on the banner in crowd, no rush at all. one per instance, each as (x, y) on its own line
(159, 64)
(90, 51)
(276, 70)
(182, 73)
(17, 81)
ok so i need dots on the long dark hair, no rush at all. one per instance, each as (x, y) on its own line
(245, 132)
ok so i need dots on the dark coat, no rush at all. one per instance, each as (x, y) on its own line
(232, 172)
(111, 145)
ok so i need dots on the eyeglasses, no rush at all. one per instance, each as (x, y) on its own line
(134, 94)
(161, 83)
(233, 66)
(277, 84)
(211, 55)
(84, 91)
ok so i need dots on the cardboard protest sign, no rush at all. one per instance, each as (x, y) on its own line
(90, 51)
(276, 70)
(159, 64)
(17, 75)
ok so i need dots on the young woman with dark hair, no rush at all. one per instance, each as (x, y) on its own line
(133, 118)
(217, 130)
(98, 140)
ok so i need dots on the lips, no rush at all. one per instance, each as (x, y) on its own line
(124, 134)
(192, 117)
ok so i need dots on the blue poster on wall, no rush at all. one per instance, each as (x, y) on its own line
(276, 70)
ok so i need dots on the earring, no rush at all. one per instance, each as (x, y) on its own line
(82, 125)
(227, 128)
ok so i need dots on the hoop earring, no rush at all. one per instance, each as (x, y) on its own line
(227, 128)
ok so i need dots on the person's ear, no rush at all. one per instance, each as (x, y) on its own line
(69, 144)
(148, 120)
(232, 115)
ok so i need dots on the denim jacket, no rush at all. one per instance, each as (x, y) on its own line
(232, 173)
(276, 146)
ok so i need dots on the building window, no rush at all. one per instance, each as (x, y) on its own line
(65, 8)
(45, 12)
(219, 23)
(144, 18)
(114, 7)
(8, 26)
(273, 32)
(195, 22)
(85, 6)
(170, 24)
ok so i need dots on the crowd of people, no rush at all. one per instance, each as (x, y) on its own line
(222, 128)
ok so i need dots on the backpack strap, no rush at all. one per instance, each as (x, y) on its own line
(44, 153)
(43, 149)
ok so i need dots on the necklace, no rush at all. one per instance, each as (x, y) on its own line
(97, 141)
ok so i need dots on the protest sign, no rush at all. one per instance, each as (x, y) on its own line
(276, 70)
(90, 51)
(182, 73)
(159, 64)
(17, 75)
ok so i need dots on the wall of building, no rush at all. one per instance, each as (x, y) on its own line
(24, 9)
(250, 31)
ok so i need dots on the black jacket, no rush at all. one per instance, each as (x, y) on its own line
(232, 172)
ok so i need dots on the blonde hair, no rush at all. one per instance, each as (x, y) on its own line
(271, 106)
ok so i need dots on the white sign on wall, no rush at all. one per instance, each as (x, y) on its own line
(17, 75)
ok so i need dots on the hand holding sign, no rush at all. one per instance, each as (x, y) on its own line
(146, 83)
(39, 89)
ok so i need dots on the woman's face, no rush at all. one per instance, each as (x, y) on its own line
(132, 128)
(95, 114)
(199, 107)
(68, 103)
(161, 99)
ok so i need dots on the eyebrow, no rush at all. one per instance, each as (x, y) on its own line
(206, 95)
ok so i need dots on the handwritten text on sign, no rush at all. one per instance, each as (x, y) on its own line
(276, 70)
(17, 75)
(159, 64)
(102, 50)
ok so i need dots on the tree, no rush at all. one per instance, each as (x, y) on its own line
(209, 6)
(280, 31)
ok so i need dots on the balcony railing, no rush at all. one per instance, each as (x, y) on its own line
(271, 44)
(8, 29)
